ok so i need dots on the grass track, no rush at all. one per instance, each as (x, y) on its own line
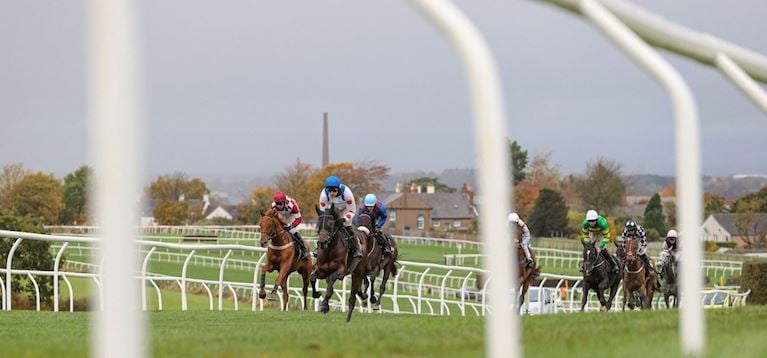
(732, 333)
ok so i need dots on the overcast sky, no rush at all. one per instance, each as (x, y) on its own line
(239, 87)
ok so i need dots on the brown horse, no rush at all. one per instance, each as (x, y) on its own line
(334, 259)
(526, 274)
(282, 255)
(377, 261)
(636, 284)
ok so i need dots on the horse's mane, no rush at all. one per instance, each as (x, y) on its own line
(272, 214)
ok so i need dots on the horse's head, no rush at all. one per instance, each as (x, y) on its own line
(327, 225)
(589, 258)
(620, 250)
(631, 251)
(271, 225)
(365, 223)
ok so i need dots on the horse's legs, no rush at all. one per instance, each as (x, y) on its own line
(386, 272)
(585, 298)
(331, 280)
(282, 280)
(601, 297)
(372, 280)
(267, 267)
(313, 280)
(357, 278)
(665, 298)
(304, 271)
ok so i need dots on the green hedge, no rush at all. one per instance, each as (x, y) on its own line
(754, 278)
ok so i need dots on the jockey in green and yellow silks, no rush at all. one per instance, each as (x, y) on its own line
(595, 228)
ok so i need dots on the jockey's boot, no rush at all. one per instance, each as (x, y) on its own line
(528, 262)
(302, 246)
(646, 263)
(385, 243)
(610, 260)
(355, 245)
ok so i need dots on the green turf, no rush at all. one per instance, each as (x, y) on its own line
(731, 333)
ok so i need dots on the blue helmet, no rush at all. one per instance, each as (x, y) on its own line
(370, 200)
(332, 181)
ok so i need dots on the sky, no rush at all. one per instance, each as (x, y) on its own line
(239, 87)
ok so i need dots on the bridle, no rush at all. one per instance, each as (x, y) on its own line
(324, 244)
(587, 254)
(270, 238)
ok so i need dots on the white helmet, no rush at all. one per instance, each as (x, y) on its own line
(592, 215)
(672, 233)
(513, 217)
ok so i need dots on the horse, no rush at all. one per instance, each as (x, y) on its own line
(377, 261)
(526, 274)
(334, 259)
(597, 276)
(637, 284)
(281, 255)
(668, 265)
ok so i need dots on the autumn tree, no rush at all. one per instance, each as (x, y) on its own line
(170, 187)
(525, 195)
(602, 188)
(10, 176)
(749, 219)
(294, 181)
(38, 196)
(542, 173)
(712, 204)
(518, 163)
(75, 196)
(171, 213)
(549, 214)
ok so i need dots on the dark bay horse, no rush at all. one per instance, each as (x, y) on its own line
(377, 261)
(334, 259)
(668, 265)
(597, 276)
(526, 274)
(282, 255)
(637, 285)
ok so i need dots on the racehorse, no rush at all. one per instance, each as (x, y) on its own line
(637, 285)
(597, 276)
(377, 260)
(282, 255)
(526, 274)
(334, 258)
(668, 265)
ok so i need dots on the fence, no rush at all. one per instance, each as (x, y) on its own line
(420, 288)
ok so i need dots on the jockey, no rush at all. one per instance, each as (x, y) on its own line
(634, 231)
(595, 227)
(669, 246)
(670, 243)
(289, 212)
(514, 219)
(377, 212)
(342, 197)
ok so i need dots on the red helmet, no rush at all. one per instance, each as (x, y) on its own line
(279, 197)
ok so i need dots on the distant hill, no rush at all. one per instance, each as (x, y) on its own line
(237, 188)
(730, 187)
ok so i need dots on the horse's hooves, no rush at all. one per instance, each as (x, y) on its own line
(603, 309)
(315, 295)
(377, 307)
(262, 295)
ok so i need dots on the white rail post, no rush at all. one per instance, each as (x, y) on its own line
(492, 151)
(221, 281)
(183, 280)
(114, 111)
(8, 280)
(143, 277)
(56, 264)
(688, 172)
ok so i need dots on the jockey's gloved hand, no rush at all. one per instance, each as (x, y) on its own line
(288, 227)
